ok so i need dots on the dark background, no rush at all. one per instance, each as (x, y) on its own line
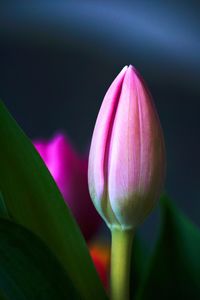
(57, 59)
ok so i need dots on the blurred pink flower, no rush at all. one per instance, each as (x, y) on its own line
(69, 171)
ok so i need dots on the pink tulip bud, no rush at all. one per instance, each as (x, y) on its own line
(69, 171)
(127, 154)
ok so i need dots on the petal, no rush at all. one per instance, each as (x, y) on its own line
(124, 163)
(134, 146)
(41, 147)
(97, 174)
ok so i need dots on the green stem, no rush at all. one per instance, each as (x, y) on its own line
(120, 263)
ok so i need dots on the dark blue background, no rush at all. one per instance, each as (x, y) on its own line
(57, 59)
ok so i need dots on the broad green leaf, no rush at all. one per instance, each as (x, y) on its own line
(3, 209)
(174, 270)
(34, 201)
(28, 269)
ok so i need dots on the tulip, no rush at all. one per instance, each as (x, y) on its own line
(69, 171)
(126, 167)
(127, 156)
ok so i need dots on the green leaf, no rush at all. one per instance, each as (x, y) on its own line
(174, 269)
(3, 209)
(34, 201)
(28, 270)
(139, 259)
(3, 296)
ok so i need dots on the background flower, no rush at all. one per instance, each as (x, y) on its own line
(100, 254)
(69, 170)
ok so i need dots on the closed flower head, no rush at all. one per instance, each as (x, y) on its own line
(127, 154)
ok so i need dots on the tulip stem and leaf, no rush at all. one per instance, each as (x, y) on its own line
(121, 251)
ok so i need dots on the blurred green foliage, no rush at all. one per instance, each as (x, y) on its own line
(28, 270)
(173, 271)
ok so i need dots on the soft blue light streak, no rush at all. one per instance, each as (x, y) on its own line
(146, 29)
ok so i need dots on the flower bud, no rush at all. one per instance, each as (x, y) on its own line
(127, 154)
